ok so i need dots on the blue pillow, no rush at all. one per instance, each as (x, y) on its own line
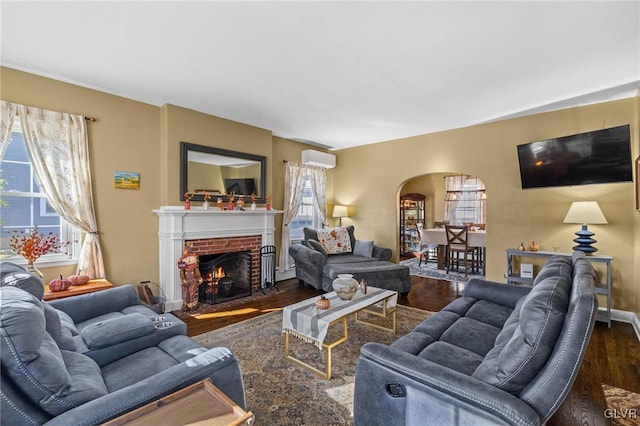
(363, 248)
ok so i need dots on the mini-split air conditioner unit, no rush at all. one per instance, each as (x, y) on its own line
(318, 159)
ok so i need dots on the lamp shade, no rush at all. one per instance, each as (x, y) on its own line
(340, 211)
(585, 212)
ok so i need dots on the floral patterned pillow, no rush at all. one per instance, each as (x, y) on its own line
(335, 240)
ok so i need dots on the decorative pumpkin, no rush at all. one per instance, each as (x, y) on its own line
(533, 246)
(323, 303)
(521, 247)
(59, 284)
(78, 279)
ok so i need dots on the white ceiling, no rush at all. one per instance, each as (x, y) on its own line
(337, 74)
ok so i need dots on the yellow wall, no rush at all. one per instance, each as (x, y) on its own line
(125, 138)
(370, 178)
(137, 137)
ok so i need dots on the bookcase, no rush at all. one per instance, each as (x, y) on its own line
(411, 213)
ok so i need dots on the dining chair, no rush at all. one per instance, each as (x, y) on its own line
(428, 251)
(458, 244)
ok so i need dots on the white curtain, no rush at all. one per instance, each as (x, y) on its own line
(468, 192)
(8, 113)
(294, 181)
(318, 179)
(58, 147)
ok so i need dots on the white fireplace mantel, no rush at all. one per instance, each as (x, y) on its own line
(178, 225)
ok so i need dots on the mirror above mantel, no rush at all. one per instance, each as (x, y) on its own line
(220, 172)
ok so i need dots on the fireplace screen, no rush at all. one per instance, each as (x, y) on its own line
(225, 277)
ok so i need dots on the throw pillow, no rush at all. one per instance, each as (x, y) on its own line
(363, 248)
(335, 240)
(313, 244)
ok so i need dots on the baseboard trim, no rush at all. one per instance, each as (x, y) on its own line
(628, 317)
(287, 275)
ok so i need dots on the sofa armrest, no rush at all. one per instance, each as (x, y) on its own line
(430, 390)
(381, 253)
(500, 293)
(218, 364)
(86, 306)
(304, 254)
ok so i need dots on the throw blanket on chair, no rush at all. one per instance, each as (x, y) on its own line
(335, 240)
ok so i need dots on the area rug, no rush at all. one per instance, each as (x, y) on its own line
(430, 270)
(280, 392)
(623, 406)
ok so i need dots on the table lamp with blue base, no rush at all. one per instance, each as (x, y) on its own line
(585, 212)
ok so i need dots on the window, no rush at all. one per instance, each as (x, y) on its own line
(24, 204)
(307, 215)
(465, 200)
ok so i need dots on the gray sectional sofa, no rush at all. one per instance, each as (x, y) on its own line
(318, 269)
(501, 354)
(87, 359)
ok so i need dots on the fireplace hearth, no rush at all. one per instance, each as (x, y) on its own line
(225, 277)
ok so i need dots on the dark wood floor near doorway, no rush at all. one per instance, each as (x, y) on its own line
(613, 355)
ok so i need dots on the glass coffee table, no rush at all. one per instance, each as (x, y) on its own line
(306, 322)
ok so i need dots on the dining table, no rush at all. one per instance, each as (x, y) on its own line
(475, 238)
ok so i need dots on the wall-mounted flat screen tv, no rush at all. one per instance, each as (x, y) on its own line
(601, 156)
(240, 186)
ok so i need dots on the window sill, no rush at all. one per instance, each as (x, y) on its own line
(51, 263)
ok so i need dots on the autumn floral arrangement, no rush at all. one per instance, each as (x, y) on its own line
(31, 245)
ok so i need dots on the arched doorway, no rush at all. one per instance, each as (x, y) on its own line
(454, 198)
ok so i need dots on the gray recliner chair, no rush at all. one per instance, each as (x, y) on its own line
(500, 355)
(91, 358)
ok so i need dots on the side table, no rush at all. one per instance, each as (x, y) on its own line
(199, 404)
(74, 290)
(603, 285)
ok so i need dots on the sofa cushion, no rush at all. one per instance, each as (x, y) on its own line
(335, 240)
(61, 334)
(313, 244)
(553, 267)
(117, 330)
(53, 379)
(363, 248)
(528, 336)
(312, 234)
(13, 275)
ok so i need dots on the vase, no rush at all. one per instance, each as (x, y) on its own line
(253, 206)
(32, 268)
(205, 205)
(187, 205)
(345, 286)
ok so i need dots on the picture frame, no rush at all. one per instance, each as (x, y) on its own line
(126, 180)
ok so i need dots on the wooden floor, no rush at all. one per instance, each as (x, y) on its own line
(613, 355)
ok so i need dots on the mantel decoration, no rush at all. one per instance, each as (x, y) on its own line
(205, 203)
(31, 245)
(253, 201)
(187, 200)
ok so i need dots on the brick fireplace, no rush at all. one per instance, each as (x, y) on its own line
(211, 249)
(210, 232)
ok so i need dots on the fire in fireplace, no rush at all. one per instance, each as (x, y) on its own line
(225, 276)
